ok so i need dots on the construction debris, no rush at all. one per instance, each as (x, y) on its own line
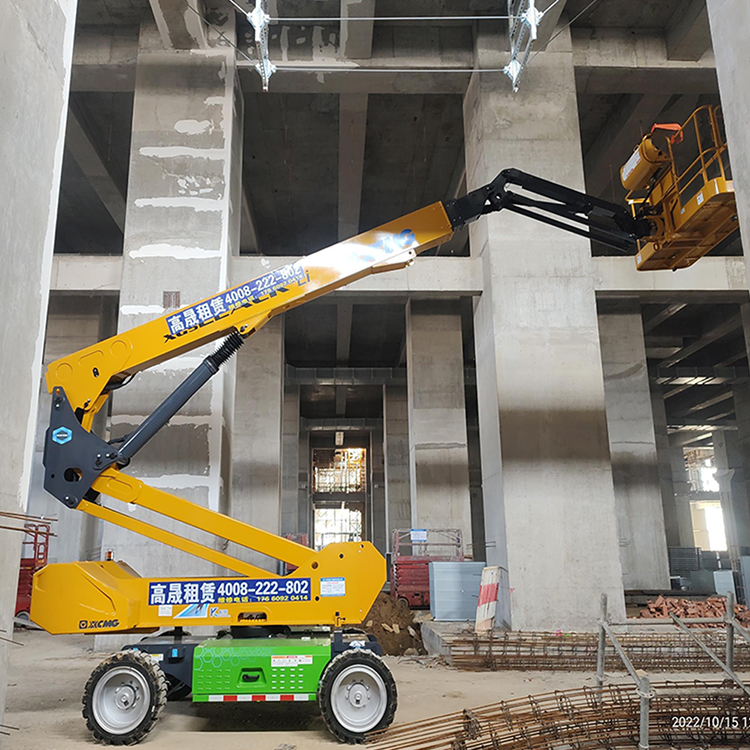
(586, 718)
(576, 652)
(714, 606)
(392, 623)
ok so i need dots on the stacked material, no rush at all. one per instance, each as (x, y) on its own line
(576, 652)
(714, 606)
(392, 623)
(681, 714)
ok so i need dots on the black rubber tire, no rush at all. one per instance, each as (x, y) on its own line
(334, 668)
(156, 682)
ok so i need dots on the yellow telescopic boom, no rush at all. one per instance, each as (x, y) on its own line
(334, 586)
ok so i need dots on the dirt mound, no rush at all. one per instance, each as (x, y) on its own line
(392, 623)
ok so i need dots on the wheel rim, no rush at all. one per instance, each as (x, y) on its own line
(359, 698)
(121, 700)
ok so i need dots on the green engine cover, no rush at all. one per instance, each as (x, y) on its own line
(259, 669)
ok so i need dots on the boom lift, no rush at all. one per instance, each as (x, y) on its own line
(683, 185)
(286, 637)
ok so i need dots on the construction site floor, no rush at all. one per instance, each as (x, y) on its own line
(47, 676)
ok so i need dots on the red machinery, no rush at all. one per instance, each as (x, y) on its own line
(35, 550)
(412, 552)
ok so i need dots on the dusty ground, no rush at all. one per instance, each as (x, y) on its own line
(48, 673)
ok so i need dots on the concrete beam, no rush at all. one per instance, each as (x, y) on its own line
(356, 36)
(606, 61)
(248, 234)
(616, 274)
(79, 144)
(617, 140)
(104, 59)
(662, 315)
(724, 278)
(688, 33)
(708, 337)
(352, 132)
(86, 273)
(428, 277)
(617, 61)
(704, 404)
(344, 312)
(552, 10)
(180, 24)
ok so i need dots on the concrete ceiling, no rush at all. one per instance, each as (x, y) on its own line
(628, 14)
(111, 12)
(700, 336)
(376, 337)
(642, 14)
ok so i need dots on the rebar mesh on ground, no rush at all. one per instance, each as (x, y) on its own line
(585, 719)
(573, 652)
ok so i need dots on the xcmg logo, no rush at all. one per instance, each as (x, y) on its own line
(391, 244)
(395, 242)
(97, 624)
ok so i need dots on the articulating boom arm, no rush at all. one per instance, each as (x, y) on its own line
(583, 214)
(79, 465)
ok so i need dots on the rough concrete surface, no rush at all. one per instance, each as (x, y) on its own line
(47, 676)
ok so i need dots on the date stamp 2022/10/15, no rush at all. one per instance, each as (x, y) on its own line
(717, 722)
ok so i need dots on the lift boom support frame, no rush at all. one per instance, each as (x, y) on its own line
(81, 467)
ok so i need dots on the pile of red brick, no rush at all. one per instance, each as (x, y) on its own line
(714, 606)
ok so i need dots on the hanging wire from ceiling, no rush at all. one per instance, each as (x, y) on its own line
(567, 26)
(266, 66)
(320, 19)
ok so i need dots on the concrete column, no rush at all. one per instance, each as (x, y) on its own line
(36, 37)
(729, 21)
(664, 459)
(682, 494)
(257, 435)
(548, 494)
(438, 452)
(397, 480)
(304, 504)
(182, 227)
(478, 548)
(290, 460)
(377, 491)
(632, 445)
(731, 476)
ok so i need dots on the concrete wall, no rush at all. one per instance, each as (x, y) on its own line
(632, 445)
(548, 495)
(438, 452)
(36, 39)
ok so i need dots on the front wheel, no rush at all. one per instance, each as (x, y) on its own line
(124, 697)
(357, 695)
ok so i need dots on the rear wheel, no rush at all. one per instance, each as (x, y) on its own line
(357, 695)
(124, 697)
